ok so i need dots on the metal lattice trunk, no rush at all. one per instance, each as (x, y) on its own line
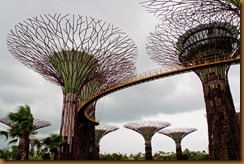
(178, 151)
(148, 150)
(68, 124)
(223, 126)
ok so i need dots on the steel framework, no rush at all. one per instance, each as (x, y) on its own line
(177, 134)
(193, 31)
(100, 132)
(147, 129)
(72, 51)
(168, 9)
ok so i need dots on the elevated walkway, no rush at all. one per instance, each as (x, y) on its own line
(156, 74)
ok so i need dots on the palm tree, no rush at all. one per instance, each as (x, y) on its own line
(22, 124)
(53, 143)
(236, 3)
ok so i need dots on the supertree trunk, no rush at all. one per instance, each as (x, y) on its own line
(86, 135)
(68, 124)
(97, 150)
(148, 150)
(223, 126)
(178, 151)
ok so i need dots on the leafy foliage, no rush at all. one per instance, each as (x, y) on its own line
(10, 154)
(187, 155)
(21, 126)
(53, 144)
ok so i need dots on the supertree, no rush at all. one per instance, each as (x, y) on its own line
(177, 134)
(100, 132)
(199, 32)
(147, 129)
(71, 52)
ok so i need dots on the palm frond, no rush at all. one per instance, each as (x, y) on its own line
(13, 141)
(236, 3)
(5, 133)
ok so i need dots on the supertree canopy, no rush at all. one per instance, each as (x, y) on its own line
(147, 129)
(191, 27)
(38, 123)
(72, 51)
(100, 132)
(200, 32)
(164, 8)
(177, 134)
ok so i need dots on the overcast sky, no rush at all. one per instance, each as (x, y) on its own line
(177, 99)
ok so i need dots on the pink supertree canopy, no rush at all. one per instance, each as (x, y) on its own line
(147, 129)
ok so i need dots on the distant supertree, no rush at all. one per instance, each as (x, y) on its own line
(100, 132)
(177, 134)
(38, 123)
(71, 52)
(190, 34)
(35, 142)
(147, 129)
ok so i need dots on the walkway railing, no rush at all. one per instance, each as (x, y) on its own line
(156, 74)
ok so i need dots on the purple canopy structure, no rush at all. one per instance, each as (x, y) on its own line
(147, 129)
(177, 134)
(100, 132)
